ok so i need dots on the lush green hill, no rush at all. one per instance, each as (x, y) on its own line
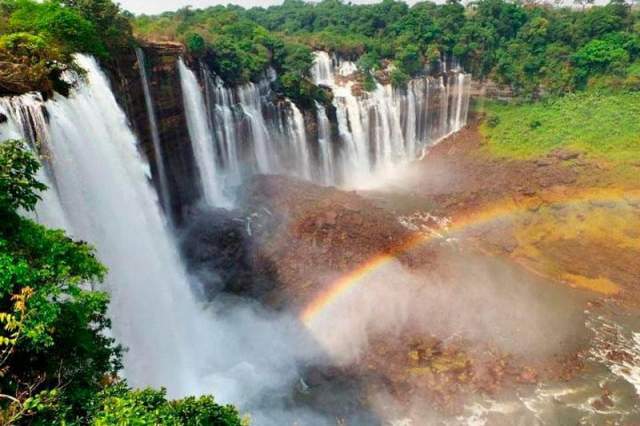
(601, 124)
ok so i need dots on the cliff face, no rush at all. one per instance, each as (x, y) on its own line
(491, 90)
(282, 153)
(166, 92)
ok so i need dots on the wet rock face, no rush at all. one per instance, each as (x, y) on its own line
(491, 90)
(164, 80)
(310, 234)
(218, 250)
(286, 239)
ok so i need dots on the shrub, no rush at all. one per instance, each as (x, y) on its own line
(195, 44)
(493, 121)
(369, 82)
(399, 78)
(118, 405)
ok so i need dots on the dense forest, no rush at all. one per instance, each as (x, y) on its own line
(38, 39)
(534, 48)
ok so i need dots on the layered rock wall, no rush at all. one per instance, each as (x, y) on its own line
(164, 81)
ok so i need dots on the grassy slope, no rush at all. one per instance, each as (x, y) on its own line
(605, 126)
(602, 237)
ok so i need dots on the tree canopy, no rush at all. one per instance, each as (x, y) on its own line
(38, 40)
(531, 47)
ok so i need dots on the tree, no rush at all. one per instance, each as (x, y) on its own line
(600, 56)
(44, 270)
(118, 405)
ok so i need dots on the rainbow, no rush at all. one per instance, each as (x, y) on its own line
(502, 210)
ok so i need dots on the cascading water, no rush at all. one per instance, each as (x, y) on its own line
(254, 132)
(100, 193)
(201, 137)
(326, 157)
(386, 127)
(26, 121)
(163, 183)
(251, 130)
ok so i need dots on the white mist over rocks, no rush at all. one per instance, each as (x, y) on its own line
(475, 298)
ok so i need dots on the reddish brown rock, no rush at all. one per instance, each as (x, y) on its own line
(313, 234)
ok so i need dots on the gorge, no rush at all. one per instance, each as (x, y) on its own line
(319, 214)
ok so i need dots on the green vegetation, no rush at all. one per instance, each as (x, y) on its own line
(533, 48)
(237, 49)
(57, 365)
(600, 124)
(38, 39)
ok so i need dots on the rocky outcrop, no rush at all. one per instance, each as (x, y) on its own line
(218, 250)
(310, 233)
(288, 240)
(491, 90)
(164, 80)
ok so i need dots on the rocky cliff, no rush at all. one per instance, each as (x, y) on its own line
(164, 80)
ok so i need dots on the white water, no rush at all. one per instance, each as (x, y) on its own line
(387, 127)
(221, 118)
(254, 132)
(163, 182)
(327, 171)
(201, 137)
(102, 195)
(26, 122)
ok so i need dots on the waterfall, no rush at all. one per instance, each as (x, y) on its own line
(100, 191)
(386, 127)
(326, 157)
(254, 132)
(201, 137)
(249, 129)
(163, 182)
(99, 184)
(26, 121)
(296, 136)
(221, 118)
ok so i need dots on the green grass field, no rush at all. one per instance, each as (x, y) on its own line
(602, 125)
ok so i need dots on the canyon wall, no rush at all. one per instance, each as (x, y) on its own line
(161, 62)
